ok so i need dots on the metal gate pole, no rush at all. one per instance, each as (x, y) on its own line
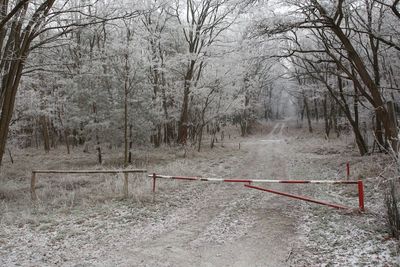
(360, 195)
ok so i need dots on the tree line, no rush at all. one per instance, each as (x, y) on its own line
(344, 56)
(99, 73)
(109, 73)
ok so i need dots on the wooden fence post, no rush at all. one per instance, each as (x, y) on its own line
(126, 174)
(33, 187)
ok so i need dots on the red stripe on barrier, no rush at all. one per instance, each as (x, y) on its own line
(298, 197)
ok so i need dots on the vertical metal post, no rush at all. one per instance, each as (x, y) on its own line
(154, 182)
(33, 187)
(126, 191)
(360, 195)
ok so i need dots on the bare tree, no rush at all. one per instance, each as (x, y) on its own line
(336, 41)
(202, 22)
(155, 23)
(21, 23)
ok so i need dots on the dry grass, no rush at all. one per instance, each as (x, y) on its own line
(64, 193)
(95, 202)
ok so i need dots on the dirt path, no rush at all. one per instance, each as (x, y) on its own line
(229, 225)
(189, 224)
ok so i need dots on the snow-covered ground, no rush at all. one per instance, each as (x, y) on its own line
(341, 238)
(81, 222)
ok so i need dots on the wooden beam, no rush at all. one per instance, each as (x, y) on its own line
(91, 171)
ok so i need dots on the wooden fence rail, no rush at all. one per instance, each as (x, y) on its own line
(124, 171)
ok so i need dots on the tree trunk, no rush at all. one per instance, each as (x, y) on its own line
(11, 157)
(316, 108)
(183, 122)
(355, 107)
(9, 86)
(45, 132)
(200, 137)
(213, 133)
(362, 147)
(53, 135)
(130, 143)
(326, 117)
(302, 114)
(65, 130)
(126, 141)
(99, 156)
(14, 49)
(373, 88)
(378, 131)
(6, 115)
(308, 114)
(66, 141)
(184, 119)
(392, 115)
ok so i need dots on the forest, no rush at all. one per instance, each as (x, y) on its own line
(106, 78)
(101, 73)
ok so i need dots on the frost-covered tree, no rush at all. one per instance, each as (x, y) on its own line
(28, 25)
(340, 38)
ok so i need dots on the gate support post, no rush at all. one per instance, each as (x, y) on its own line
(154, 182)
(360, 195)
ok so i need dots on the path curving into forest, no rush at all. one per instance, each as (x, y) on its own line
(230, 225)
(188, 224)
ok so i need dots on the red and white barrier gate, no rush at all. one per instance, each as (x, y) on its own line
(248, 183)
